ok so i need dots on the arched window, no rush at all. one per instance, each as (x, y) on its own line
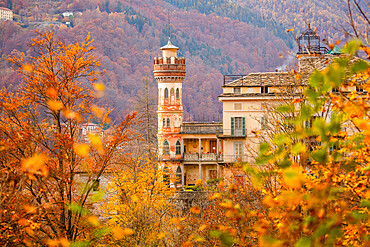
(178, 175)
(177, 94)
(164, 122)
(166, 93)
(166, 147)
(172, 92)
(168, 123)
(178, 147)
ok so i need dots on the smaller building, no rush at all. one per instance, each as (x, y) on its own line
(6, 14)
(67, 14)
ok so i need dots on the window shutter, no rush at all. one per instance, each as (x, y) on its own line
(232, 125)
(243, 119)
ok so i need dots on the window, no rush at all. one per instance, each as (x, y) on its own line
(178, 147)
(263, 122)
(238, 126)
(359, 89)
(177, 93)
(166, 93)
(164, 122)
(264, 89)
(237, 106)
(166, 147)
(168, 123)
(237, 90)
(178, 175)
(172, 93)
(238, 151)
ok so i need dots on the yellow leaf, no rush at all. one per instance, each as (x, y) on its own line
(202, 227)
(93, 221)
(81, 149)
(118, 233)
(96, 142)
(293, 178)
(161, 235)
(99, 86)
(27, 68)
(55, 105)
(214, 196)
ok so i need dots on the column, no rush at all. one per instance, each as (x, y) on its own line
(182, 148)
(182, 175)
(200, 148)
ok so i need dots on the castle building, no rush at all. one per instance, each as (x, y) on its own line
(195, 151)
(6, 14)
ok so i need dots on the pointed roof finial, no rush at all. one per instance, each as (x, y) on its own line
(169, 44)
(169, 26)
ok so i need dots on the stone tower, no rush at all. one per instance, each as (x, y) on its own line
(169, 72)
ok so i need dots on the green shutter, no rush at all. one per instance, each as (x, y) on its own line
(243, 119)
(232, 125)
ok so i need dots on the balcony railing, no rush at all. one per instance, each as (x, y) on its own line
(233, 132)
(237, 158)
(203, 157)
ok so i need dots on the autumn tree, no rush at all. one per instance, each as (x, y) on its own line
(42, 146)
(139, 203)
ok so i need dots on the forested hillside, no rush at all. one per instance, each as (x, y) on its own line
(216, 37)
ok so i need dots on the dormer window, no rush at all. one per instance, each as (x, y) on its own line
(264, 89)
(237, 90)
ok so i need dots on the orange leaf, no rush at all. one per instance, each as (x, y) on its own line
(81, 149)
(55, 105)
(195, 210)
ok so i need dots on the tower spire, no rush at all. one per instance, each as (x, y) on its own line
(169, 26)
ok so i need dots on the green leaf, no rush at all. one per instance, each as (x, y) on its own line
(264, 147)
(97, 196)
(285, 108)
(101, 232)
(312, 95)
(316, 79)
(227, 239)
(78, 209)
(284, 163)
(365, 203)
(80, 244)
(319, 155)
(306, 112)
(281, 139)
(298, 148)
(359, 66)
(303, 242)
(334, 76)
(352, 46)
(215, 233)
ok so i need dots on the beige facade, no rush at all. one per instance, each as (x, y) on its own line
(207, 151)
(6, 14)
